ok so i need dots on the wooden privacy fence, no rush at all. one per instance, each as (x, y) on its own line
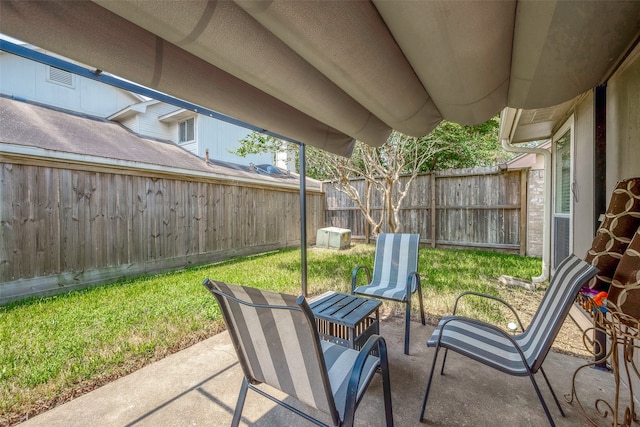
(64, 227)
(479, 208)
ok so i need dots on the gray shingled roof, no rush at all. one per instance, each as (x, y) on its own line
(27, 124)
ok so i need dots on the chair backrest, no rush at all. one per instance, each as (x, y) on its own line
(537, 339)
(396, 257)
(277, 342)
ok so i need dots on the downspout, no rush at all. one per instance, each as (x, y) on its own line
(508, 119)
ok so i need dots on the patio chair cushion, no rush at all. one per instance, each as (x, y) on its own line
(263, 337)
(339, 361)
(396, 257)
(277, 343)
(395, 274)
(492, 346)
(521, 354)
(479, 342)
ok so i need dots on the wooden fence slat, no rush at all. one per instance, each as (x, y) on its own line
(7, 203)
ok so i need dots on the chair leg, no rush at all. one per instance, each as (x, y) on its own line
(553, 393)
(421, 305)
(386, 383)
(444, 359)
(544, 404)
(407, 325)
(240, 404)
(426, 393)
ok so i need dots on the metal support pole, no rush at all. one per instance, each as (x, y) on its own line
(303, 219)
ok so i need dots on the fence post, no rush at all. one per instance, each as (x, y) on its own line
(367, 226)
(433, 209)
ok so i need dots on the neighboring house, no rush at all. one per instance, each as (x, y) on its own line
(35, 130)
(21, 78)
(28, 80)
(194, 132)
(32, 130)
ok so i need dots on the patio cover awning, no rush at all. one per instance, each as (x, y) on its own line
(326, 73)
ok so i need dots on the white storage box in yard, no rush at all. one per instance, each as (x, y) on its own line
(333, 237)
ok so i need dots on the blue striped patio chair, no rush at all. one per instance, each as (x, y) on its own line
(395, 274)
(277, 343)
(521, 354)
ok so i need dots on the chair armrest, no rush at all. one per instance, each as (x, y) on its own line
(355, 274)
(358, 366)
(500, 300)
(410, 279)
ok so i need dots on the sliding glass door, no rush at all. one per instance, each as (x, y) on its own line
(562, 200)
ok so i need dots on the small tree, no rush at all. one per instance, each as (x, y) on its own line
(382, 167)
(465, 146)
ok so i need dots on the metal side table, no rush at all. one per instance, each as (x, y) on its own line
(347, 320)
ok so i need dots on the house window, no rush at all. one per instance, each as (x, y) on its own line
(61, 77)
(563, 174)
(562, 225)
(186, 130)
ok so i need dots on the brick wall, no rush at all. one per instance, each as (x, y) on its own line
(535, 207)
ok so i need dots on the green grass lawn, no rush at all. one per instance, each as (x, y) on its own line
(59, 347)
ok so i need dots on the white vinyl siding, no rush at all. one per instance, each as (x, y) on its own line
(32, 81)
(150, 126)
(220, 137)
(191, 147)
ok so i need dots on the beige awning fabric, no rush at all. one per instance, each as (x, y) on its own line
(328, 72)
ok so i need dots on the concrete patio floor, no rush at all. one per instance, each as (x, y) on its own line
(199, 386)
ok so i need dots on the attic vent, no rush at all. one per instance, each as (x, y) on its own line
(56, 75)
